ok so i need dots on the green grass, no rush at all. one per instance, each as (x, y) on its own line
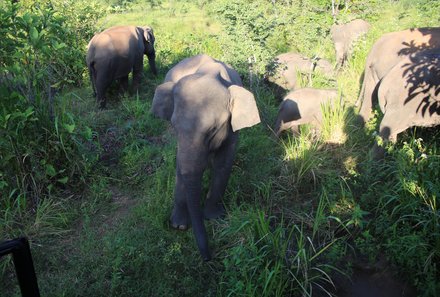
(299, 209)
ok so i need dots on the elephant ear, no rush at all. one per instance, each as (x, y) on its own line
(163, 103)
(148, 34)
(244, 111)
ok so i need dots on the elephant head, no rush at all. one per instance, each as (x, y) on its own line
(244, 111)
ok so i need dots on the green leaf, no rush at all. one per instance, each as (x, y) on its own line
(50, 170)
(63, 180)
(69, 128)
(88, 133)
(34, 34)
(27, 18)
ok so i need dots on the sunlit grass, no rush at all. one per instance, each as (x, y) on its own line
(297, 207)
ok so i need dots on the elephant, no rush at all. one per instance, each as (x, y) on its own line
(283, 70)
(207, 105)
(114, 53)
(344, 36)
(303, 106)
(409, 95)
(387, 52)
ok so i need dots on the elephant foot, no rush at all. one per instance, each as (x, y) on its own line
(179, 227)
(179, 219)
(101, 104)
(214, 211)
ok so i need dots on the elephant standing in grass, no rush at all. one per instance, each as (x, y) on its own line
(303, 106)
(345, 35)
(207, 105)
(114, 53)
(409, 95)
(283, 70)
(387, 52)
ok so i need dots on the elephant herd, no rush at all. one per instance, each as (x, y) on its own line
(206, 103)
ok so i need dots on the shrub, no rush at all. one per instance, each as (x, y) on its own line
(42, 51)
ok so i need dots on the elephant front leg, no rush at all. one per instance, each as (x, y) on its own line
(138, 69)
(222, 166)
(102, 84)
(179, 217)
(123, 85)
(390, 126)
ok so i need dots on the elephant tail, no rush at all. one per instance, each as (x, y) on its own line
(92, 74)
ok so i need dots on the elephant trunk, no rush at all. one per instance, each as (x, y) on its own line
(152, 62)
(193, 185)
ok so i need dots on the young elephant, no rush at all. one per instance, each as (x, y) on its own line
(387, 52)
(409, 95)
(114, 53)
(302, 106)
(345, 35)
(283, 72)
(207, 105)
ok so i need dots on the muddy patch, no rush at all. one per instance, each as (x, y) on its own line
(378, 280)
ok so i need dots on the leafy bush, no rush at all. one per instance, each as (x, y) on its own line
(42, 51)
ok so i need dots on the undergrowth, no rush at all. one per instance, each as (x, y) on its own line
(93, 189)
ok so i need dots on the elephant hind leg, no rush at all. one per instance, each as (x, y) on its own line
(92, 76)
(102, 84)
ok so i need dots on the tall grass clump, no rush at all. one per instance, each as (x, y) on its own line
(272, 256)
(409, 218)
(334, 119)
(302, 160)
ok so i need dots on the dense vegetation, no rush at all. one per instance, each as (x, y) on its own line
(92, 189)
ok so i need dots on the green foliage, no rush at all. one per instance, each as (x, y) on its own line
(43, 147)
(412, 212)
(297, 207)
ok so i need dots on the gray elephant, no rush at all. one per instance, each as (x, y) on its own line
(409, 95)
(114, 53)
(283, 70)
(345, 35)
(303, 106)
(387, 52)
(207, 105)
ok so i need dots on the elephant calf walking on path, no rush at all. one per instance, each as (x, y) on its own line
(114, 53)
(207, 105)
(303, 106)
(409, 95)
